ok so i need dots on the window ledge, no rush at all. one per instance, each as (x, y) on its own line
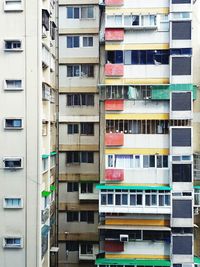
(13, 50)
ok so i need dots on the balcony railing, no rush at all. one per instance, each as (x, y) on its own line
(114, 70)
(117, 105)
(114, 175)
(114, 2)
(114, 139)
(114, 34)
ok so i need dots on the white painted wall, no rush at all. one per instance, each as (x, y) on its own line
(146, 141)
(146, 71)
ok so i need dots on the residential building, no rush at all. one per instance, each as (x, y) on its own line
(28, 134)
(149, 143)
(78, 132)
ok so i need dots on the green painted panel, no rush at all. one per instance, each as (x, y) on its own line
(45, 156)
(162, 92)
(52, 188)
(45, 193)
(130, 187)
(132, 262)
(197, 260)
(53, 153)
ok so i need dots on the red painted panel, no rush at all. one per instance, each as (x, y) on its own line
(114, 246)
(114, 175)
(114, 69)
(114, 2)
(114, 34)
(114, 139)
(114, 104)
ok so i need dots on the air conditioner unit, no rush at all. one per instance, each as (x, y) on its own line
(124, 238)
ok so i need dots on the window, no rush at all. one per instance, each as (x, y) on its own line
(182, 245)
(80, 99)
(181, 208)
(181, 1)
(135, 198)
(177, 30)
(86, 248)
(181, 137)
(182, 173)
(73, 71)
(86, 188)
(181, 65)
(87, 41)
(45, 162)
(73, 128)
(73, 157)
(73, 41)
(12, 5)
(13, 124)
(12, 242)
(13, 163)
(136, 161)
(87, 12)
(13, 45)
(73, 12)
(87, 128)
(44, 128)
(149, 161)
(72, 246)
(181, 101)
(72, 216)
(45, 19)
(72, 187)
(12, 203)
(138, 57)
(80, 157)
(87, 216)
(87, 157)
(13, 85)
(80, 70)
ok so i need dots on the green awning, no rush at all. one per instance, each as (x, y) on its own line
(197, 260)
(45, 193)
(52, 188)
(132, 187)
(45, 156)
(197, 187)
(133, 262)
(53, 153)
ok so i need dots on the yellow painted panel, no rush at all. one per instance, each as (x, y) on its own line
(137, 151)
(134, 11)
(136, 256)
(136, 46)
(137, 222)
(124, 81)
(137, 116)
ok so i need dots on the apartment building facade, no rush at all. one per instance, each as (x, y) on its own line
(78, 132)
(28, 132)
(149, 143)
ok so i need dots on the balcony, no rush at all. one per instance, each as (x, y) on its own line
(114, 175)
(117, 105)
(116, 70)
(114, 139)
(114, 2)
(113, 246)
(114, 34)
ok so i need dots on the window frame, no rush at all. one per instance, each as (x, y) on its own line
(6, 88)
(13, 127)
(6, 206)
(13, 42)
(13, 246)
